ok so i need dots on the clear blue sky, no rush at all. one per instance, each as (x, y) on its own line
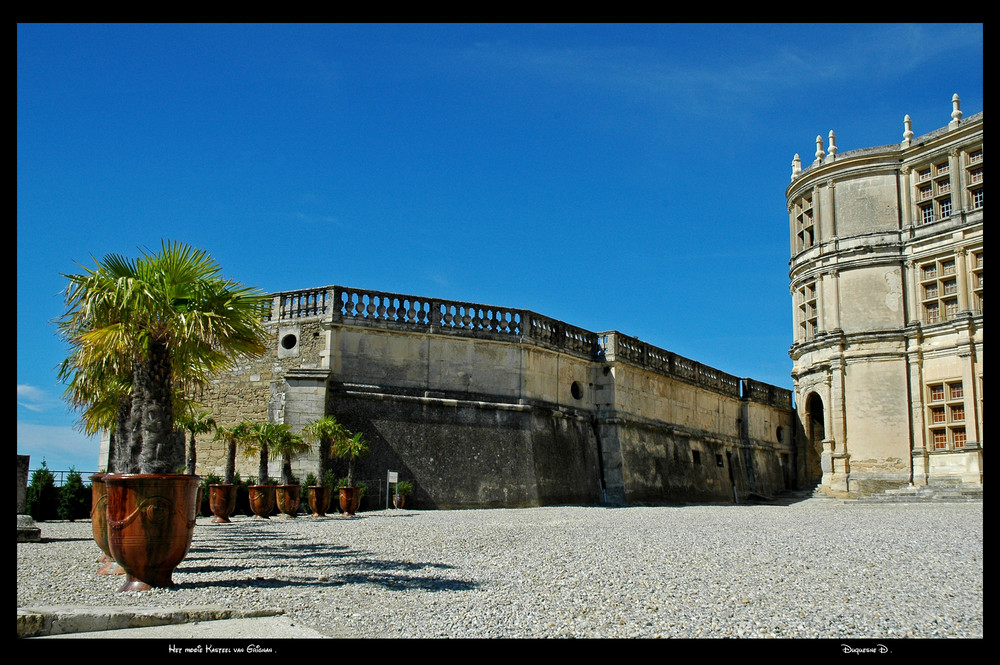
(616, 177)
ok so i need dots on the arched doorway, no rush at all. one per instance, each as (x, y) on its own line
(815, 434)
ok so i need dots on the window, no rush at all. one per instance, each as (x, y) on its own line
(939, 290)
(805, 226)
(807, 314)
(977, 281)
(946, 415)
(934, 192)
(974, 177)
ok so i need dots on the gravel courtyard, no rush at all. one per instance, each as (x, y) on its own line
(812, 569)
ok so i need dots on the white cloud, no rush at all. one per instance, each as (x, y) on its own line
(61, 447)
(35, 399)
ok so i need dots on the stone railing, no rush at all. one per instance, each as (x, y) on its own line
(619, 347)
(434, 315)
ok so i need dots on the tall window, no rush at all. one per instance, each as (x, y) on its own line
(934, 191)
(805, 225)
(807, 312)
(977, 281)
(974, 177)
(938, 290)
(946, 415)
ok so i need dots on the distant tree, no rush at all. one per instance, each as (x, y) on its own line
(74, 498)
(42, 497)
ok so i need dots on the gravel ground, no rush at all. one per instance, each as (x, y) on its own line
(813, 569)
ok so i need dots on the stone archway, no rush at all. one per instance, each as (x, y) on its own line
(815, 434)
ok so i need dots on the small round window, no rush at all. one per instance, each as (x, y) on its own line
(289, 341)
(576, 390)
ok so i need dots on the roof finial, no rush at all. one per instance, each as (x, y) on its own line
(907, 131)
(833, 147)
(819, 148)
(796, 166)
(956, 112)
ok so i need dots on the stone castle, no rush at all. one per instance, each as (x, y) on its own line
(483, 406)
(886, 278)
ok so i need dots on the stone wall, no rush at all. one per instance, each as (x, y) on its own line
(482, 406)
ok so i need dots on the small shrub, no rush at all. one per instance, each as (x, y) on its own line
(74, 498)
(43, 497)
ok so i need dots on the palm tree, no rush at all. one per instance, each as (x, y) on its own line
(235, 436)
(325, 431)
(284, 444)
(352, 447)
(162, 323)
(195, 424)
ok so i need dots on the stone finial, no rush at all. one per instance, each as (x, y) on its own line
(796, 166)
(832, 150)
(907, 131)
(819, 148)
(956, 112)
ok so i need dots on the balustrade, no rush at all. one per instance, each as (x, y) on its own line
(436, 315)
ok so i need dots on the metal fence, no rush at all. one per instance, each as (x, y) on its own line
(61, 476)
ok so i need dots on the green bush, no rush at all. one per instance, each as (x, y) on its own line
(43, 497)
(74, 498)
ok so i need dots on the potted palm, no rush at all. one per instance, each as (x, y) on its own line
(350, 446)
(403, 489)
(284, 444)
(222, 496)
(262, 495)
(139, 331)
(323, 431)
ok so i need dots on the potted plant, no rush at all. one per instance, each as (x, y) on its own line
(222, 496)
(403, 489)
(256, 442)
(140, 331)
(350, 446)
(323, 431)
(284, 444)
(99, 524)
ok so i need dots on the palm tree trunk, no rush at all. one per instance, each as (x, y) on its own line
(192, 457)
(286, 470)
(262, 465)
(230, 472)
(159, 443)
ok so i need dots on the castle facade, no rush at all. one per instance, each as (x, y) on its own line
(886, 279)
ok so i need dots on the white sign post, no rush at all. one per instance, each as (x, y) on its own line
(392, 478)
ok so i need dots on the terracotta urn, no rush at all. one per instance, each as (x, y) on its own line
(99, 523)
(222, 501)
(398, 500)
(350, 499)
(151, 519)
(262, 500)
(289, 497)
(319, 500)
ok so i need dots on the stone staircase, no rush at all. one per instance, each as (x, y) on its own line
(927, 494)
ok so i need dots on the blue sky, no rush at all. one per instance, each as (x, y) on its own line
(616, 177)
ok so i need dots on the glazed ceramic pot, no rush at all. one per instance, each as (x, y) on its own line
(262, 500)
(288, 497)
(222, 501)
(319, 500)
(350, 499)
(99, 523)
(151, 519)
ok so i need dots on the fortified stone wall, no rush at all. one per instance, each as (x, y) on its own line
(482, 406)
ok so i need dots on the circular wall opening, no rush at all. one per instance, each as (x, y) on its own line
(576, 390)
(289, 341)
